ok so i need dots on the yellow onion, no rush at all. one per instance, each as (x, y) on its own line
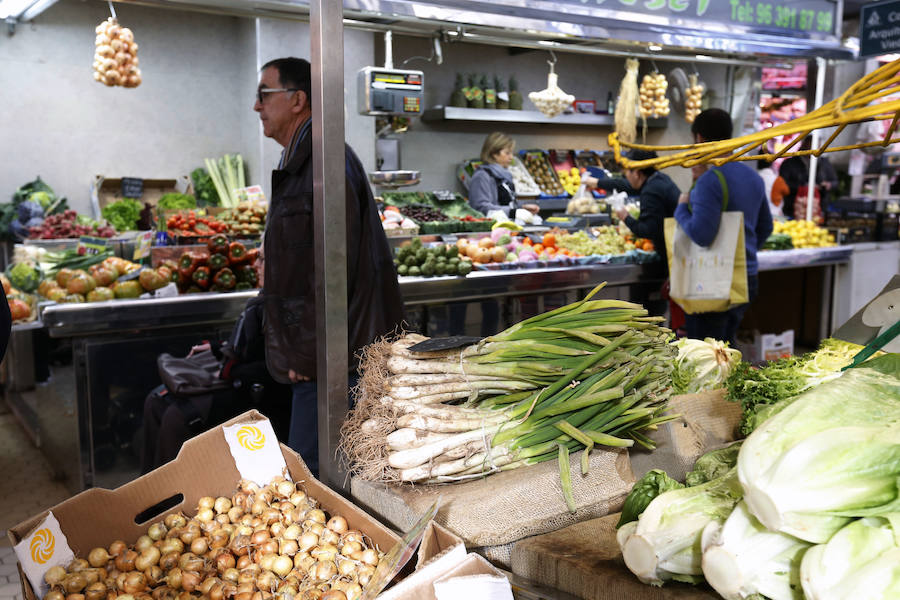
(147, 558)
(95, 591)
(74, 583)
(55, 575)
(98, 557)
(282, 565)
(172, 544)
(125, 561)
(231, 575)
(190, 580)
(157, 531)
(174, 520)
(337, 524)
(200, 546)
(323, 570)
(135, 582)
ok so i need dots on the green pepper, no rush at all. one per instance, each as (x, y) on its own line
(201, 276)
(218, 244)
(236, 253)
(225, 279)
(217, 261)
(243, 285)
(247, 274)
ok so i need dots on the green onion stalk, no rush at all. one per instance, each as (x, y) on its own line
(592, 373)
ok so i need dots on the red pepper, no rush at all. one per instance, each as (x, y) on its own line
(188, 263)
(218, 244)
(201, 277)
(237, 253)
(225, 279)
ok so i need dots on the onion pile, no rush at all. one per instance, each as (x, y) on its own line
(260, 544)
(653, 101)
(115, 55)
(693, 98)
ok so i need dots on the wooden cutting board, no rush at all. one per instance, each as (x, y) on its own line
(584, 560)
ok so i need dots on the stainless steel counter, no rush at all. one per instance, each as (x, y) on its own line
(68, 320)
(773, 260)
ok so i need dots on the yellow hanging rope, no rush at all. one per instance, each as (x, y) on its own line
(853, 106)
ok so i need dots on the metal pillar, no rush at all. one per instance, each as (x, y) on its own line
(821, 65)
(330, 215)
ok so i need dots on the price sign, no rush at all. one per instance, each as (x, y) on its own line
(253, 195)
(132, 187)
(142, 246)
(92, 245)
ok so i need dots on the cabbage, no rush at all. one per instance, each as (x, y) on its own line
(664, 543)
(713, 465)
(24, 276)
(830, 455)
(861, 561)
(702, 365)
(742, 558)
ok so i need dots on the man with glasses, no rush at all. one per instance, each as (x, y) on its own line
(373, 296)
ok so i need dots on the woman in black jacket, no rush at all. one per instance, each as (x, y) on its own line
(657, 193)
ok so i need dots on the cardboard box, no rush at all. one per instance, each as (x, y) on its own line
(204, 467)
(766, 347)
(109, 189)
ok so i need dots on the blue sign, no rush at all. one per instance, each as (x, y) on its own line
(879, 28)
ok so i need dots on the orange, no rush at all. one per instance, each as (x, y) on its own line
(527, 241)
(538, 248)
(549, 240)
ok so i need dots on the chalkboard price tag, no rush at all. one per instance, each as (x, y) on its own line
(92, 245)
(132, 187)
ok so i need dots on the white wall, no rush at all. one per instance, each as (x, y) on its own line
(196, 99)
(437, 149)
(59, 123)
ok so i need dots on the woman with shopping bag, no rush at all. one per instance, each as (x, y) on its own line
(714, 237)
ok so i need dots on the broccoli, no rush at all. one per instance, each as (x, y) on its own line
(24, 276)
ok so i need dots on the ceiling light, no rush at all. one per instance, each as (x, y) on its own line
(654, 48)
(23, 10)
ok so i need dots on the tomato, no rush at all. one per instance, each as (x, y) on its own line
(19, 309)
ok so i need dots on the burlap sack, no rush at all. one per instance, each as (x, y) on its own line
(707, 422)
(507, 506)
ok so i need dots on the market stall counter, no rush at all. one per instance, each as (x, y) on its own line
(87, 416)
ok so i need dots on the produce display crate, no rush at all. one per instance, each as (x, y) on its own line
(109, 189)
(538, 165)
(204, 467)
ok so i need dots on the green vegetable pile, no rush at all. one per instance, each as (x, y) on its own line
(176, 201)
(756, 388)
(123, 214)
(204, 188)
(415, 260)
(808, 506)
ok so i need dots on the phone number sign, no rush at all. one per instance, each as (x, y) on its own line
(807, 16)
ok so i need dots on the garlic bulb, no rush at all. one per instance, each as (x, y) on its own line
(551, 101)
(115, 55)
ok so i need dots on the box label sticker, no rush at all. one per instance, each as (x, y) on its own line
(256, 452)
(45, 547)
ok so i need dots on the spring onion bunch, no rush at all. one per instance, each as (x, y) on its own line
(595, 372)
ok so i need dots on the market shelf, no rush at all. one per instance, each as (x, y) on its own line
(452, 113)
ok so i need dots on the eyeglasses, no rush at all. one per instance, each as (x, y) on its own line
(261, 92)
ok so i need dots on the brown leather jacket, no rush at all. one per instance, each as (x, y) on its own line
(373, 295)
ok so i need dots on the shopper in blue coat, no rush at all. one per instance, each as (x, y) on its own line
(700, 213)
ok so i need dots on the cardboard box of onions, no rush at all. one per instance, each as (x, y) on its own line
(234, 514)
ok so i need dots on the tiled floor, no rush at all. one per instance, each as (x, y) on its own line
(27, 489)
